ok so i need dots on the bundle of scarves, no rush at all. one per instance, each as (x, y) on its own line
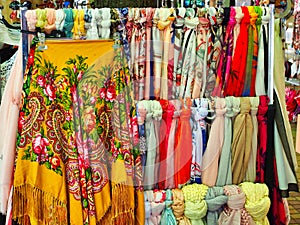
(195, 204)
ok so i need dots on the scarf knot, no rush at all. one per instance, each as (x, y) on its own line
(236, 198)
(41, 15)
(266, 16)
(239, 15)
(257, 201)
(232, 19)
(178, 207)
(156, 110)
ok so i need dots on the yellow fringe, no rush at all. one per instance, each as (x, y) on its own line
(33, 204)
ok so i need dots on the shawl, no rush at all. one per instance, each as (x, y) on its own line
(195, 205)
(215, 199)
(9, 112)
(257, 201)
(157, 203)
(168, 217)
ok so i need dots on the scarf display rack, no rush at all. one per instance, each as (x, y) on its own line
(147, 122)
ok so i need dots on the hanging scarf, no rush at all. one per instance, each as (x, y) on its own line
(41, 15)
(216, 22)
(239, 15)
(197, 115)
(225, 172)
(164, 25)
(157, 206)
(241, 142)
(183, 147)
(92, 32)
(178, 207)
(31, 19)
(215, 199)
(171, 144)
(168, 217)
(59, 19)
(249, 88)
(251, 170)
(203, 34)
(50, 26)
(262, 70)
(237, 76)
(188, 54)
(105, 23)
(154, 112)
(195, 205)
(148, 196)
(78, 28)
(148, 25)
(257, 201)
(165, 128)
(68, 23)
(214, 145)
(261, 138)
(157, 53)
(178, 27)
(229, 46)
(142, 113)
(234, 212)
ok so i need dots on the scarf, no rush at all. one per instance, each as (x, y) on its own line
(92, 32)
(214, 145)
(165, 128)
(157, 53)
(154, 112)
(239, 15)
(59, 19)
(262, 41)
(234, 212)
(241, 142)
(195, 205)
(50, 26)
(183, 147)
(188, 54)
(69, 22)
(148, 25)
(164, 25)
(251, 170)
(78, 28)
(178, 207)
(168, 217)
(225, 172)
(216, 22)
(41, 15)
(147, 205)
(171, 144)
(257, 201)
(31, 19)
(215, 199)
(157, 206)
(105, 23)
(178, 28)
(203, 34)
(261, 138)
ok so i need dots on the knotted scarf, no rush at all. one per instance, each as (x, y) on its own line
(31, 19)
(178, 207)
(195, 205)
(225, 172)
(157, 206)
(154, 112)
(262, 71)
(165, 128)
(59, 19)
(92, 32)
(239, 15)
(241, 142)
(215, 199)
(251, 170)
(183, 147)
(41, 15)
(234, 212)
(142, 113)
(188, 54)
(147, 202)
(78, 28)
(257, 201)
(168, 217)
(50, 26)
(214, 145)
(104, 32)
(69, 22)
(178, 28)
(171, 144)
